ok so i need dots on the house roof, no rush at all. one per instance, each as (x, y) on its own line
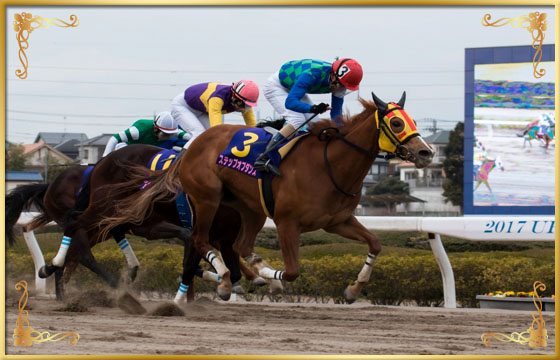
(100, 140)
(440, 137)
(31, 148)
(55, 138)
(23, 176)
(28, 148)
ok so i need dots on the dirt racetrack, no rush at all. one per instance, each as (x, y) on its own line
(250, 328)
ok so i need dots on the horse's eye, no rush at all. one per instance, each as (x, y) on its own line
(397, 125)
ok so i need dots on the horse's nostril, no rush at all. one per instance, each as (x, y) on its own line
(425, 153)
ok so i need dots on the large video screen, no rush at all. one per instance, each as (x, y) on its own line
(509, 134)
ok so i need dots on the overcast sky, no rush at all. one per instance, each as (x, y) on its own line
(125, 63)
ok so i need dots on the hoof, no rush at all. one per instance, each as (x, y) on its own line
(225, 287)
(238, 289)
(45, 273)
(349, 296)
(276, 287)
(259, 281)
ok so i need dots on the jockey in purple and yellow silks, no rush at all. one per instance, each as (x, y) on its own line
(202, 106)
(287, 90)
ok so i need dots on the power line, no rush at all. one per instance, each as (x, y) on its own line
(96, 82)
(89, 97)
(66, 122)
(81, 115)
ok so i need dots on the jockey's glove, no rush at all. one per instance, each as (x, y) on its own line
(319, 108)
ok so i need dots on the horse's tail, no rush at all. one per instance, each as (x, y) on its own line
(21, 198)
(147, 187)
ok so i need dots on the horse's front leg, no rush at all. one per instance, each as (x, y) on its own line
(352, 229)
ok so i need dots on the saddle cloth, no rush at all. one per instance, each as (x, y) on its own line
(246, 145)
(161, 161)
(85, 177)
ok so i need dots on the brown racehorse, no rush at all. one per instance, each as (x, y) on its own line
(319, 188)
(57, 198)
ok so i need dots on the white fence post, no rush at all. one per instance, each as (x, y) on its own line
(446, 270)
(37, 254)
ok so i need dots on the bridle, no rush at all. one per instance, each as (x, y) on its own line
(400, 151)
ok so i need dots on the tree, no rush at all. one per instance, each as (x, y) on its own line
(15, 159)
(390, 192)
(390, 185)
(453, 166)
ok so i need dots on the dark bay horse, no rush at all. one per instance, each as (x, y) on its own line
(56, 199)
(319, 189)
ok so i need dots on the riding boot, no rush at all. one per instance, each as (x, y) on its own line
(263, 162)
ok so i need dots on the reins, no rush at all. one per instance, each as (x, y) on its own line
(360, 149)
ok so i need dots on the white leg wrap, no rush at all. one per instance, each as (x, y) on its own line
(215, 261)
(269, 273)
(181, 293)
(211, 276)
(58, 260)
(365, 273)
(128, 253)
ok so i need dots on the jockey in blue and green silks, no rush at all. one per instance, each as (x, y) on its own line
(287, 90)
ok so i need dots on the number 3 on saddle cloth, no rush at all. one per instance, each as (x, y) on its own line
(242, 151)
(161, 161)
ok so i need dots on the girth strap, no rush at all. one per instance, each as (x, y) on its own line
(267, 197)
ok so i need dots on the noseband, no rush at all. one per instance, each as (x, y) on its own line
(400, 151)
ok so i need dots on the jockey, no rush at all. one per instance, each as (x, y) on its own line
(201, 106)
(150, 132)
(287, 90)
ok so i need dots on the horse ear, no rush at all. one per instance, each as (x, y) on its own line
(402, 100)
(381, 105)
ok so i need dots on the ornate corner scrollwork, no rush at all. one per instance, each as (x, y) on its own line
(24, 335)
(535, 23)
(24, 24)
(535, 336)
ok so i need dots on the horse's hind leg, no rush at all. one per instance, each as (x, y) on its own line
(352, 229)
(124, 245)
(59, 283)
(191, 260)
(86, 258)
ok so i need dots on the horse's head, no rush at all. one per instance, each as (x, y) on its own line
(398, 133)
(499, 163)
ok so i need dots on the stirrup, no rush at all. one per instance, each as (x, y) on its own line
(267, 166)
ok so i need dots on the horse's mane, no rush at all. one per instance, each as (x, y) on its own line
(348, 121)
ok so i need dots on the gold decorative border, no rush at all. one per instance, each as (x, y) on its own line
(24, 334)
(24, 24)
(535, 23)
(534, 336)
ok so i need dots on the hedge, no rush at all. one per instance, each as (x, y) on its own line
(395, 279)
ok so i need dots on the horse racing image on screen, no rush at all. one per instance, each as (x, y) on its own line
(513, 147)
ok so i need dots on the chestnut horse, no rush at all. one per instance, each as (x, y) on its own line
(319, 188)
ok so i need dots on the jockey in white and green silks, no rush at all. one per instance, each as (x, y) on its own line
(287, 90)
(148, 132)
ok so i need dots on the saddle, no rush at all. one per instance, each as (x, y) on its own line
(244, 148)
